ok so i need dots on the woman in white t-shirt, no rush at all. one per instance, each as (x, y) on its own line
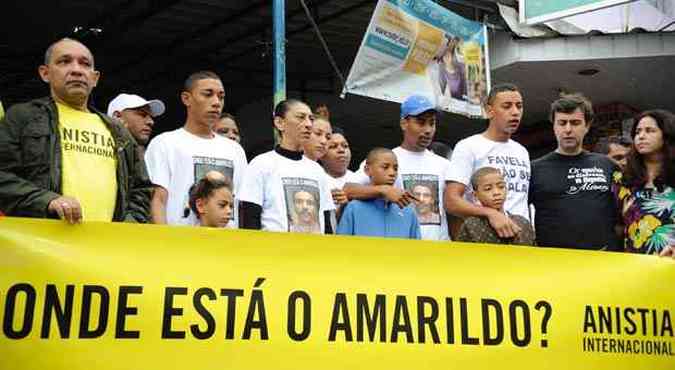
(335, 162)
(315, 147)
(282, 189)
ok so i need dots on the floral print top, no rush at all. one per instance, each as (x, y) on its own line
(648, 216)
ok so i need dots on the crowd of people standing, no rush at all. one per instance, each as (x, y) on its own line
(62, 158)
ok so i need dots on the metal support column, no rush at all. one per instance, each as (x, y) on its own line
(279, 62)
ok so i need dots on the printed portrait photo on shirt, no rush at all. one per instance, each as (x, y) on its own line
(203, 165)
(302, 205)
(425, 189)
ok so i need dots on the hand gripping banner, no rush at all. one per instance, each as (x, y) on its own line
(121, 296)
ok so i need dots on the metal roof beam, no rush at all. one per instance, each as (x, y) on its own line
(327, 18)
(476, 4)
(214, 25)
(174, 45)
(119, 29)
(210, 50)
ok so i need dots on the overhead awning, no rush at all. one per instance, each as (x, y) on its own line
(633, 68)
(645, 15)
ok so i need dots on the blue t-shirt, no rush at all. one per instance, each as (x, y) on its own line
(378, 217)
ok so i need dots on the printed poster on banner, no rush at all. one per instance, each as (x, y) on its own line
(420, 47)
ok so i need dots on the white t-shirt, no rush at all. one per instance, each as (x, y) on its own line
(177, 159)
(424, 174)
(293, 194)
(338, 182)
(510, 157)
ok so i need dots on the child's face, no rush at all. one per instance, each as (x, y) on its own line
(383, 169)
(216, 210)
(491, 191)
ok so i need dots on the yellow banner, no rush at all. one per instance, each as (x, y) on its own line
(120, 296)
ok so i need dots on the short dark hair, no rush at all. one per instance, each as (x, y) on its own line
(50, 49)
(200, 75)
(373, 153)
(500, 88)
(339, 130)
(284, 106)
(480, 173)
(228, 115)
(602, 145)
(636, 171)
(568, 103)
(203, 189)
(322, 118)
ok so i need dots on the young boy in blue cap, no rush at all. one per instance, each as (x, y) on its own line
(379, 217)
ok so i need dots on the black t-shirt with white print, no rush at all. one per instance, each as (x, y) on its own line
(573, 201)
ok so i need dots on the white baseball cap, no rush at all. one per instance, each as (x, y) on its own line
(130, 101)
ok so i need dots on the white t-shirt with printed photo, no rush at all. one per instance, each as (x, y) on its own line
(177, 159)
(424, 174)
(293, 194)
(510, 157)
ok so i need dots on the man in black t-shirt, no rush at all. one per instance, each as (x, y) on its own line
(571, 188)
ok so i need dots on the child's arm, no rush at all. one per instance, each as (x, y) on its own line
(346, 224)
(415, 232)
(400, 197)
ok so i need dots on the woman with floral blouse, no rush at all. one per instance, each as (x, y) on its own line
(645, 191)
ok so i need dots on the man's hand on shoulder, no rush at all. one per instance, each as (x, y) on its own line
(393, 194)
(339, 197)
(503, 224)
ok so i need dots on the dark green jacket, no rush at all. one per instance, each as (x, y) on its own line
(30, 164)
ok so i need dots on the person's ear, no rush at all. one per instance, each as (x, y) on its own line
(185, 98)
(201, 206)
(404, 124)
(97, 76)
(279, 123)
(118, 116)
(366, 169)
(489, 112)
(43, 71)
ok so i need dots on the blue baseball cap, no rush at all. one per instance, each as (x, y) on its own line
(415, 105)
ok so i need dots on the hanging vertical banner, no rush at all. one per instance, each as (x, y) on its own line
(420, 47)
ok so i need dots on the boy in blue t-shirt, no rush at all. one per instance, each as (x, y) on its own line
(378, 217)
